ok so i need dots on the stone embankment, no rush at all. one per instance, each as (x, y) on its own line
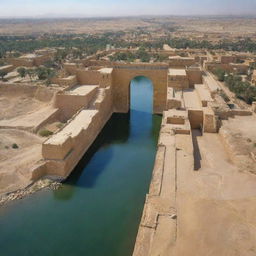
(36, 186)
(202, 193)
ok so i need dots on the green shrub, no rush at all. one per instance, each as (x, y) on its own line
(242, 90)
(59, 125)
(220, 73)
(3, 74)
(22, 72)
(45, 133)
(224, 96)
(15, 146)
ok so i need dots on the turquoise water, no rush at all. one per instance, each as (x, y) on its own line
(98, 209)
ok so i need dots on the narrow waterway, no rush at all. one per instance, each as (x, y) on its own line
(98, 209)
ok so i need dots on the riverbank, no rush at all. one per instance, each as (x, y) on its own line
(32, 188)
(101, 202)
(202, 194)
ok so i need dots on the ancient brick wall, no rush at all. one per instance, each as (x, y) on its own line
(122, 76)
(194, 77)
(88, 77)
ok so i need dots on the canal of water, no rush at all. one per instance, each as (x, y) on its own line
(98, 209)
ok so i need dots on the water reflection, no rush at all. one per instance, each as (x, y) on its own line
(98, 209)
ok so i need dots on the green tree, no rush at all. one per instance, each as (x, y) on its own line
(22, 72)
(143, 55)
(44, 73)
(242, 90)
(31, 73)
(51, 74)
(3, 74)
(220, 73)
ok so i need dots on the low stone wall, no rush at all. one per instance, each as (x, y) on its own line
(69, 104)
(40, 60)
(240, 112)
(212, 66)
(179, 82)
(158, 227)
(195, 118)
(88, 77)
(71, 68)
(209, 121)
(44, 94)
(7, 68)
(254, 106)
(194, 77)
(55, 116)
(181, 62)
(66, 81)
(64, 154)
(18, 62)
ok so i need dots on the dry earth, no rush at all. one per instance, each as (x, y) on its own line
(64, 26)
(16, 164)
(187, 26)
(20, 112)
(216, 208)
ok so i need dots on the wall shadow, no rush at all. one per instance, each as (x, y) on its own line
(116, 131)
(196, 150)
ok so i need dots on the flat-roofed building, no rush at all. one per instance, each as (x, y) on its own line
(226, 59)
(181, 62)
(178, 79)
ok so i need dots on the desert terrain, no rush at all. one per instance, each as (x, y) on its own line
(231, 27)
(62, 79)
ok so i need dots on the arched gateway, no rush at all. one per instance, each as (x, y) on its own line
(124, 73)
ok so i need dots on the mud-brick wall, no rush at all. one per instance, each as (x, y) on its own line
(70, 104)
(213, 66)
(43, 94)
(70, 68)
(40, 60)
(72, 150)
(122, 77)
(254, 106)
(195, 118)
(7, 68)
(178, 82)
(194, 77)
(65, 82)
(181, 63)
(18, 62)
(105, 80)
(209, 124)
(88, 77)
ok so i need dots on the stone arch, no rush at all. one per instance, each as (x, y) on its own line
(122, 76)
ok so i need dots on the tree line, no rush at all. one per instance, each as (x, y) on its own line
(242, 89)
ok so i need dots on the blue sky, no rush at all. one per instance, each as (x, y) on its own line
(87, 8)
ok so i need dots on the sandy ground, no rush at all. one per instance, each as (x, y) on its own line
(16, 164)
(216, 208)
(69, 25)
(24, 112)
(19, 105)
(200, 201)
(240, 137)
(19, 115)
(187, 26)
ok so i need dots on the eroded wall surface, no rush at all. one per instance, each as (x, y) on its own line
(122, 76)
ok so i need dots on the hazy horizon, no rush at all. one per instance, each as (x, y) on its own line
(114, 8)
